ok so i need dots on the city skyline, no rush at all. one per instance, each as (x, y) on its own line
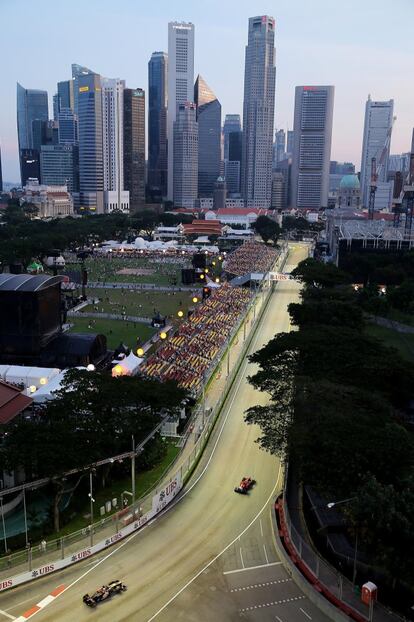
(304, 35)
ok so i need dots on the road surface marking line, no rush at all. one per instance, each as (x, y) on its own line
(57, 591)
(241, 557)
(8, 615)
(261, 527)
(306, 614)
(169, 507)
(278, 619)
(45, 601)
(265, 552)
(252, 567)
(223, 551)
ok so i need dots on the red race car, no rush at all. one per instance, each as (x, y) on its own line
(245, 485)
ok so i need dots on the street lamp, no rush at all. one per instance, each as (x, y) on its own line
(195, 299)
(4, 525)
(140, 352)
(331, 505)
(92, 501)
(163, 336)
(180, 313)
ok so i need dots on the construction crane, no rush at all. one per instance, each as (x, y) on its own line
(376, 170)
(405, 202)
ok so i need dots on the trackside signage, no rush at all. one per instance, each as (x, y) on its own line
(166, 494)
(76, 557)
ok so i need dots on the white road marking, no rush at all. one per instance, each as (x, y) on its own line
(261, 527)
(241, 557)
(8, 615)
(278, 619)
(256, 585)
(275, 602)
(252, 567)
(22, 602)
(265, 552)
(306, 614)
(219, 554)
(177, 500)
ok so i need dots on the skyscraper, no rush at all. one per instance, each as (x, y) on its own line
(157, 124)
(78, 70)
(29, 165)
(376, 143)
(115, 198)
(232, 124)
(91, 177)
(31, 105)
(65, 94)
(134, 147)
(180, 83)
(312, 145)
(258, 112)
(67, 127)
(279, 147)
(1, 174)
(59, 166)
(209, 136)
(185, 156)
(289, 142)
(232, 166)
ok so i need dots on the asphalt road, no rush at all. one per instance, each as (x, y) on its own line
(210, 557)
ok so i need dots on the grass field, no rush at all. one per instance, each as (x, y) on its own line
(403, 342)
(107, 270)
(116, 331)
(138, 303)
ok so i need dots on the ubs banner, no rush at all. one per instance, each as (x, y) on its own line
(166, 494)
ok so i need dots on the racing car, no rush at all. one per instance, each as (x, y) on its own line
(245, 485)
(104, 592)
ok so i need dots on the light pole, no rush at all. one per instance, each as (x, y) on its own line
(4, 525)
(331, 505)
(25, 514)
(133, 473)
(92, 501)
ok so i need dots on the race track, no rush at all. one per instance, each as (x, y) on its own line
(193, 562)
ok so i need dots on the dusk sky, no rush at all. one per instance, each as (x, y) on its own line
(360, 46)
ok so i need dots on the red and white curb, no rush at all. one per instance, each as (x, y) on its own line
(40, 605)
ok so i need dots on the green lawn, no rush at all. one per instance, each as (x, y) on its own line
(144, 481)
(138, 303)
(403, 342)
(116, 331)
(107, 270)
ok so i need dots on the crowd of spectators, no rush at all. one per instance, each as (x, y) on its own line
(188, 355)
(250, 257)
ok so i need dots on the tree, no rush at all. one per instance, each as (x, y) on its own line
(92, 417)
(327, 312)
(267, 228)
(313, 272)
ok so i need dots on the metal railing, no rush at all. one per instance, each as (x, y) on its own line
(108, 527)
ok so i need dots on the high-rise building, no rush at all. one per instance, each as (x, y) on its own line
(77, 71)
(258, 112)
(134, 147)
(180, 83)
(68, 127)
(232, 176)
(29, 165)
(1, 174)
(115, 198)
(235, 146)
(157, 124)
(65, 94)
(341, 168)
(376, 143)
(289, 142)
(91, 177)
(31, 105)
(312, 145)
(277, 190)
(209, 136)
(220, 192)
(59, 166)
(232, 124)
(279, 147)
(185, 156)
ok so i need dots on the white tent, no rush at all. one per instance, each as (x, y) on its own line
(127, 366)
(30, 377)
(46, 392)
